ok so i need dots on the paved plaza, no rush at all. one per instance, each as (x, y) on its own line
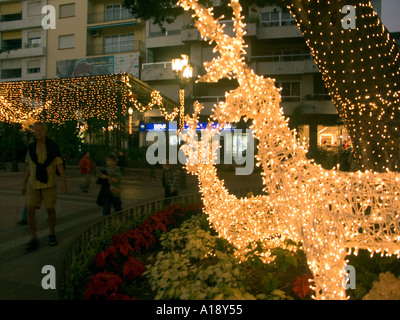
(21, 272)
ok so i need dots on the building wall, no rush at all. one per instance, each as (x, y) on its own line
(74, 26)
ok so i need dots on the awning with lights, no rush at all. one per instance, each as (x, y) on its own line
(59, 100)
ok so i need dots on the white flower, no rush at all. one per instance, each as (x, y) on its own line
(387, 288)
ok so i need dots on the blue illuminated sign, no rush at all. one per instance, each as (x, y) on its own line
(161, 127)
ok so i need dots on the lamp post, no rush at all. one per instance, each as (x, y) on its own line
(130, 111)
(183, 73)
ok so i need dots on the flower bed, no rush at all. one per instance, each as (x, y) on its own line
(174, 254)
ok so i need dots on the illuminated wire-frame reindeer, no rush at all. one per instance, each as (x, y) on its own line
(330, 212)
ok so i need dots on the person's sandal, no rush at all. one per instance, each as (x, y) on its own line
(52, 240)
(32, 245)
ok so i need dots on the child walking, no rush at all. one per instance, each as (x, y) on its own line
(113, 175)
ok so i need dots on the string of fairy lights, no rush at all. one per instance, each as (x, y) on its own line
(57, 101)
(361, 69)
(331, 213)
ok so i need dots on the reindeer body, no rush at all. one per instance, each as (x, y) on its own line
(328, 211)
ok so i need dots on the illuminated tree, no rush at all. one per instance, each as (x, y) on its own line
(360, 68)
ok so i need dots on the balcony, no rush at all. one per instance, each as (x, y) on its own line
(192, 34)
(11, 17)
(109, 16)
(156, 71)
(278, 32)
(164, 39)
(23, 52)
(283, 64)
(101, 49)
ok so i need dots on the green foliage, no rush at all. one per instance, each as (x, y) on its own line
(329, 159)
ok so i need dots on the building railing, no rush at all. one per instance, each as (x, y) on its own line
(109, 16)
(281, 57)
(157, 65)
(166, 33)
(214, 99)
(100, 49)
(11, 17)
(134, 216)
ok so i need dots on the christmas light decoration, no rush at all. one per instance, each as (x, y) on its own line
(361, 71)
(57, 101)
(331, 213)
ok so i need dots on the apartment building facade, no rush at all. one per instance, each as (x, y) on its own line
(23, 40)
(276, 49)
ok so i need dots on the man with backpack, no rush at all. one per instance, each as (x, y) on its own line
(43, 161)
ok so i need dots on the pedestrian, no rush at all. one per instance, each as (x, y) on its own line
(169, 181)
(43, 160)
(121, 161)
(86, 167)
(113, 195)
(24, 219)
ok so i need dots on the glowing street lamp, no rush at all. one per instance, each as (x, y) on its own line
(183, 73)
(130, 111)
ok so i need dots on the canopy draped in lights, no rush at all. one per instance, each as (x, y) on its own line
(78, 98)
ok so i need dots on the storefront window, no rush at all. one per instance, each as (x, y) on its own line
(333, 137)
(328, 137)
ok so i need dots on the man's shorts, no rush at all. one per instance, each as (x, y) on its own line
(34, 197)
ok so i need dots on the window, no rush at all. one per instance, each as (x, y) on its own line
(290, 91)
(116, 12)
(34, 39)
(11, 11)
(278, 18)
(11, 69)
(12, 40)
(10, 73)
(67, 10)
(33, 66)
(66, 42)
(118, 43)
(34, 8)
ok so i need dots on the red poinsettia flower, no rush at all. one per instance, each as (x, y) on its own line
(132, 269)
(301, 286)
(102, 285)
(124, 248)
(143, 238)
(102, 256)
